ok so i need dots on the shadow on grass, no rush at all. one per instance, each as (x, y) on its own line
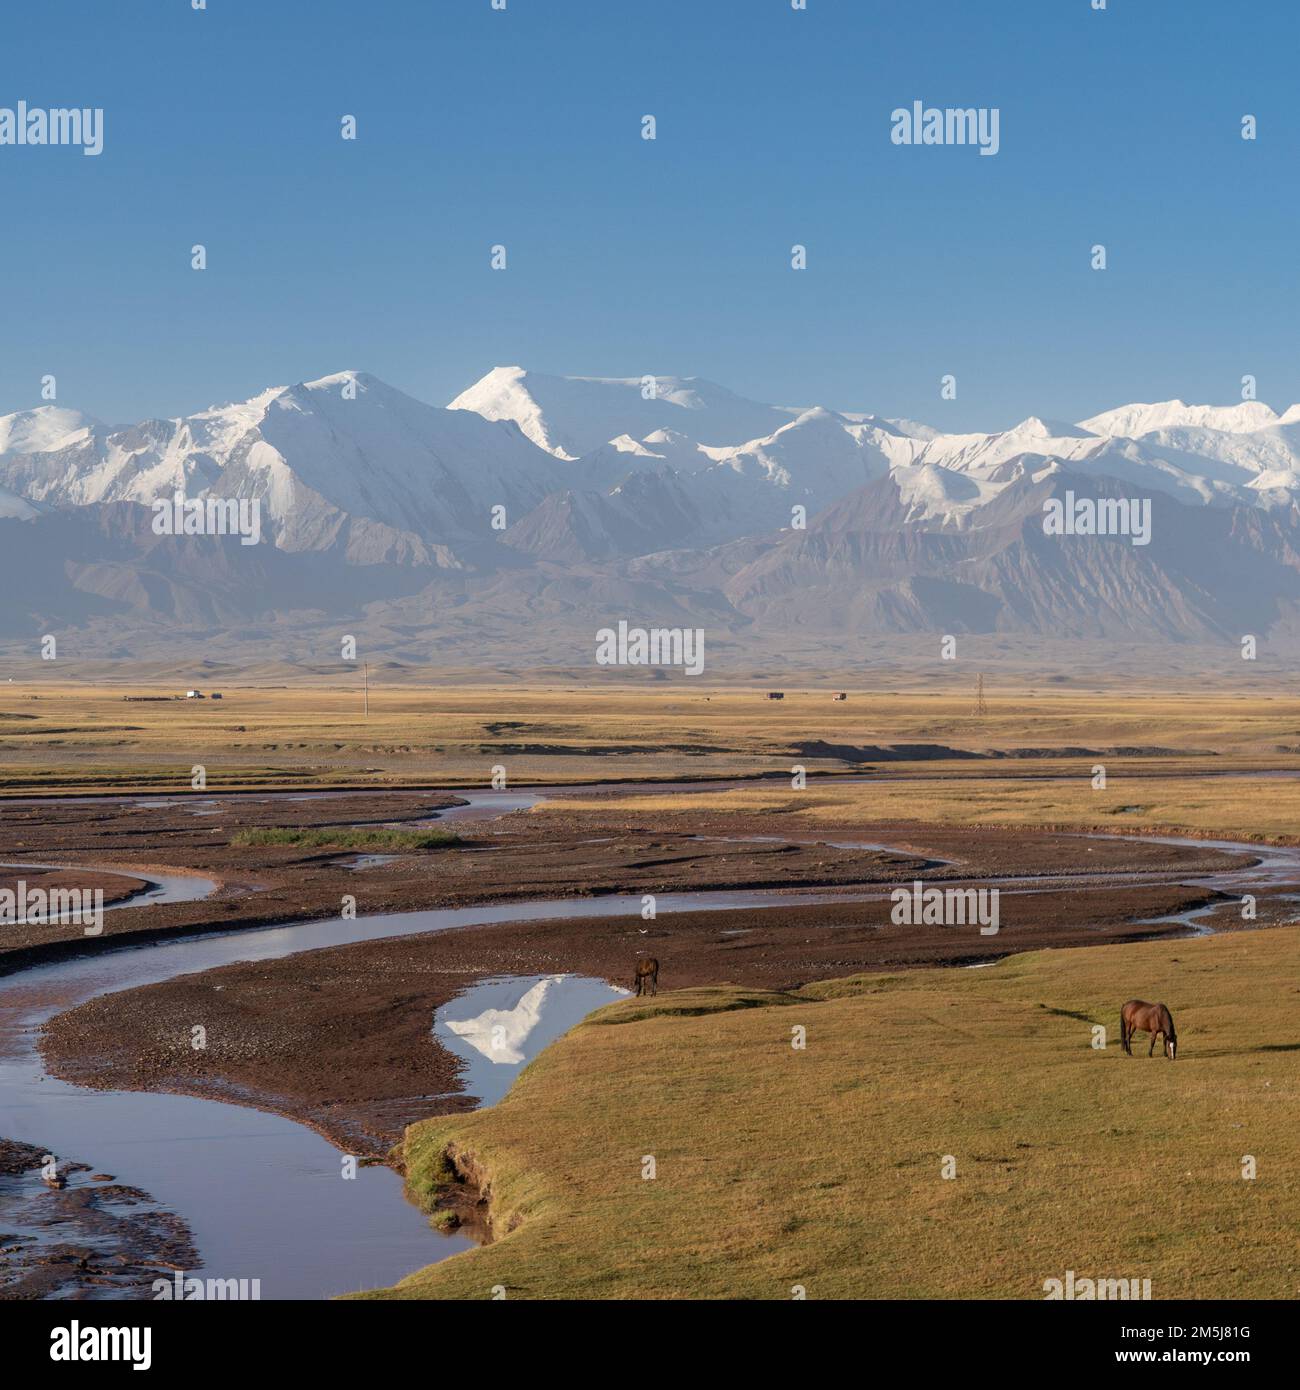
(689, 1003)
(1070, 1013)
(1203, 1053)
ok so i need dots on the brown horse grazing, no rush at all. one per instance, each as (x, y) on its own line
(1137, 1016)
(647, 976)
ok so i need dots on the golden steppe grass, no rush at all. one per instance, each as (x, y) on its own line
(1235, 807)
(69, 737)
(822, 1167)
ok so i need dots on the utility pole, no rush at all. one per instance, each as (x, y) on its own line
(981, 709)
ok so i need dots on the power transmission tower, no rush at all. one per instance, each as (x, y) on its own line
(365, 666)
(981, 709)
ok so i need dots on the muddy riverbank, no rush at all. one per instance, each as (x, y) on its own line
(77, 1232)
(503, 856)
(24, 883)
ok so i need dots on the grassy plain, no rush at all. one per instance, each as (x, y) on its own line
(1237, 807)
(823, 1167)
(67, 737)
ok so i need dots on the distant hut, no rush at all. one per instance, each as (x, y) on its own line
(776, 694)
(840, 695)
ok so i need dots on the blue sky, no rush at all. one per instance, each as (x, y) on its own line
(628, 256)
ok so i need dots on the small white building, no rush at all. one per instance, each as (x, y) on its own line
(194, 695)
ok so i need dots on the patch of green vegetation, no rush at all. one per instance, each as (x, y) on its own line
(345, 837)
(423, 1157)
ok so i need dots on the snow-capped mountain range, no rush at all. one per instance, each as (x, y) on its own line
(535, 499)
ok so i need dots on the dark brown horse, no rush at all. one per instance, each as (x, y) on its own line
(647, 976)
(1137, 1016)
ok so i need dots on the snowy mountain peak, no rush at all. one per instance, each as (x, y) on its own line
(1133, 421)
(1037, 428)
(817, 417)
(40, 430)
(932, 493)
(344, 459)
(338, 381)
(673, 439)
(570, 416)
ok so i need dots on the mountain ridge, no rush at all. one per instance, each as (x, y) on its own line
(535, 516)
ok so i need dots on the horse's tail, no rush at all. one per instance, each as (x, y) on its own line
(1123, 1031)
